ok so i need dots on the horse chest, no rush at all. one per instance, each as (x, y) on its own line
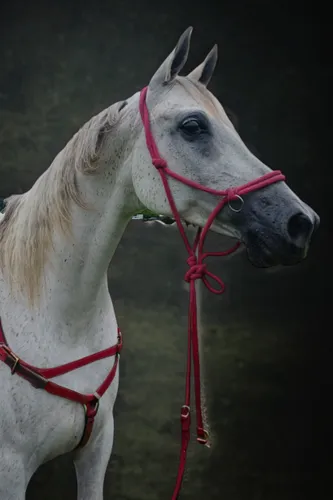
(43, 426)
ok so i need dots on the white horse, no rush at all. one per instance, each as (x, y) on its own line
(57, 241)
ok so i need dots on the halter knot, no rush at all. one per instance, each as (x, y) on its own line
(159, 163)
(196, 271)
(231, 194)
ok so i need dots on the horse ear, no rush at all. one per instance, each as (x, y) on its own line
(205, 70)
(173, 64)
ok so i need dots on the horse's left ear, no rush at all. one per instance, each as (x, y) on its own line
(205, 70)
(174, 63)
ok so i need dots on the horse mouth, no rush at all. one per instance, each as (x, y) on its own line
(262, 252)
(260, 256)
(270, 253)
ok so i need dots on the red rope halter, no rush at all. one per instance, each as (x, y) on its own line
(197, 270)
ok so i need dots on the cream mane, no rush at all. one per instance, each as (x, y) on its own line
(30, 219)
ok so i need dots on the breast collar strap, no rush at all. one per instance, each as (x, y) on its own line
(40, 378)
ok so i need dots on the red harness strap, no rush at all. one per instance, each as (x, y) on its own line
(39, 378)
(197, 270)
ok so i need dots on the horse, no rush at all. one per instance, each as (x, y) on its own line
(171, 149)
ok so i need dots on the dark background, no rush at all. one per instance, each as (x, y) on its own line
(267, 348)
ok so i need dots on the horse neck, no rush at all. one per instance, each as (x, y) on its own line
(78, 266)
(76, 278)
(74, 290)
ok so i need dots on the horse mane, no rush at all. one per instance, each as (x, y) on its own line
(26, 229)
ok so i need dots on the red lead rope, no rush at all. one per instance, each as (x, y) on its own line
(197, 270)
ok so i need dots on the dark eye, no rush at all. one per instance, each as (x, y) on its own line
(191, 126)
(194, 126)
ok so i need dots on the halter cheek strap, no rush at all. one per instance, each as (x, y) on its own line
(197, 270)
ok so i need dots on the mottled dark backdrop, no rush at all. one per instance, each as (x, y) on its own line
(267, 348)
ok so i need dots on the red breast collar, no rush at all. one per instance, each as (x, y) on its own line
(40, 378)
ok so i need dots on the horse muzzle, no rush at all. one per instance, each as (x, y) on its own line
(275, 231)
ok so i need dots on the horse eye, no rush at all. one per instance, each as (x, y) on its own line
(191, 126)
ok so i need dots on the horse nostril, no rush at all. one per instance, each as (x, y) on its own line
(300, 228)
